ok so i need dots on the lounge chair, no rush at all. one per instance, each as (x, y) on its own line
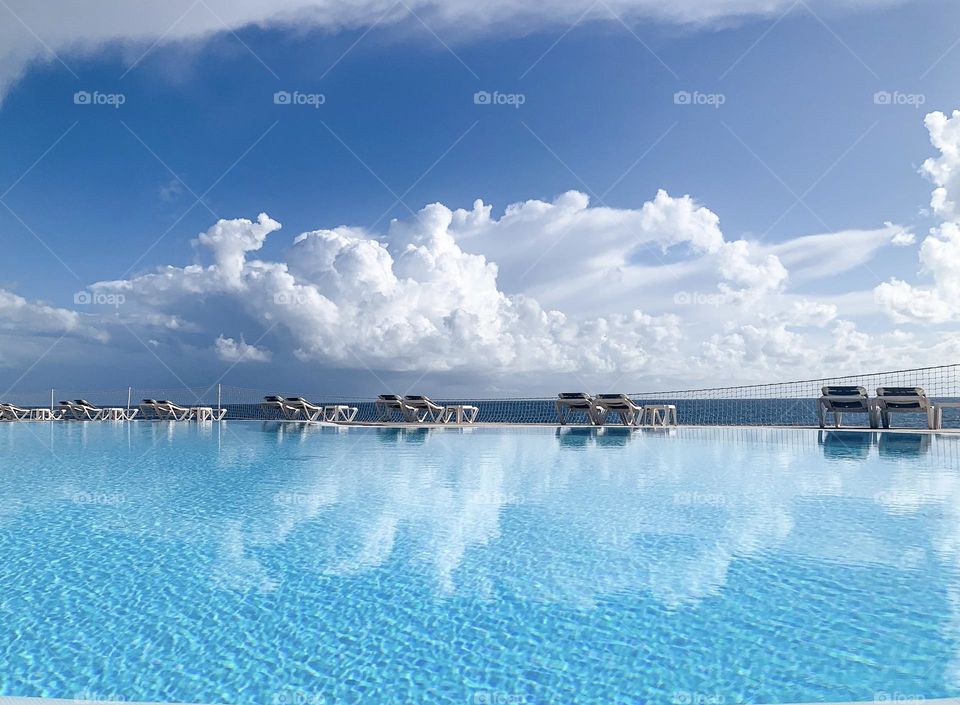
(168, 411)
(304, 410)
(421, 408)
(840, 400)
(280, 404)
(386, 404)
(568, 402)
(12, 412)
(631, 413)
(904, 400)
(82, 410)
(148, 407)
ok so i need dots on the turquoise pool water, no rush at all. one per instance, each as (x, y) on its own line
(257, 563)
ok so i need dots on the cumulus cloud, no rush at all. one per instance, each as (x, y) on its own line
(229, 350)
(18, 315)
(940, 251)
(461, 289)
(85, 27)
(415, 298)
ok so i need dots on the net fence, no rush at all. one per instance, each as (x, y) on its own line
(780, 404)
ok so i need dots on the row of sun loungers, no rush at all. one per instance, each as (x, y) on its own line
(82, 410)
(840, 400)
(601, 408)
(299, 409)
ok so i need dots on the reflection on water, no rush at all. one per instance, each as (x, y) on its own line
(670, 523)
(846, 445)
(856, 445)
(904, 445)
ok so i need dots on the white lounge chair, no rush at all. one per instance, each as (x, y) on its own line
(568, 402)
(278, 403)
(904, 400)
(82, 410)
(168, 411)
(422, 409)
(631, 413)
(387, 404)
(148, 407)
(840, 400)
(12, 412)
(304, 410)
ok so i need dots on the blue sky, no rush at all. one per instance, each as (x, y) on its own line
(799, 147)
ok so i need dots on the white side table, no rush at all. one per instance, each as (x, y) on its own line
(660, 415)
(460, 413)
(339, 413)
(938, 412)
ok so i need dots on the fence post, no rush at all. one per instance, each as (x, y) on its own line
(218, 397)
(51, 399)
(129, 395)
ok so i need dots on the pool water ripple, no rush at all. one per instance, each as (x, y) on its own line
(282, 565)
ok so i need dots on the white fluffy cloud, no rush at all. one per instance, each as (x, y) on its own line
(465, 290)
(940, 251)
(30, 31)
(415, 301)
(229, 350)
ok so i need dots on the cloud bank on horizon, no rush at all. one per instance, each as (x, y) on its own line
(555, 286)
(33, 34)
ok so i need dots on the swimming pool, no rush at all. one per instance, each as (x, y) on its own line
(253, 562)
